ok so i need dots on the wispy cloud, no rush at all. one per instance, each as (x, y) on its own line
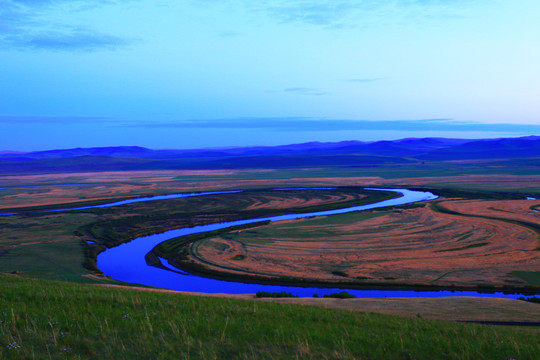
(347, 13)
(22, 27)
(36, 2)
(32, 119)
(285, 124)
(11, 17)
(71, 39)
(305, 91)
(364, 80)
(337, 14)
(300, 124)
(328, 13)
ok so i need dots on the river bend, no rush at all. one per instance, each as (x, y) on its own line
(127, 263)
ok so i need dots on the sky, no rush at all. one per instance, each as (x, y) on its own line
(178, 74)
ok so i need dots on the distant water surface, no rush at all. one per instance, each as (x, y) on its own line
(126, 262)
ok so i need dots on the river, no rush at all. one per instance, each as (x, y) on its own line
(128, 201)
(126, 262)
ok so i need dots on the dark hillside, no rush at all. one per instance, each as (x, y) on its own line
(75, 164)
(313, 154)
(528, 147)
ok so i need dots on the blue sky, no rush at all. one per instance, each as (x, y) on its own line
(209, 73)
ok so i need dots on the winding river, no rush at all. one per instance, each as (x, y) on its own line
(126, 262)
(129, 201)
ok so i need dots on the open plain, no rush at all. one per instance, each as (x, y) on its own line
(481, 233)
(417, 245)
(453, 241)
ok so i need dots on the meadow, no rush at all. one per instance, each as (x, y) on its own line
(64, 245)
(42, 319)
(481, 244)
(479, 208)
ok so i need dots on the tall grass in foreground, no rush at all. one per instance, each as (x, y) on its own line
(44, 319)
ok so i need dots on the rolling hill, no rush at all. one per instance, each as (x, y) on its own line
(312, 154)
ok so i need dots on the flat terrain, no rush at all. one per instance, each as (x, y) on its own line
(480, 233)
(415, 245)
(470, 243)
(474, 244)
(54, 245)
(121, 184)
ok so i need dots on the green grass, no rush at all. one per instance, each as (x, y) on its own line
(531, 277)
(305, 230)
(44, 319)
(43, 246)
(53, 245)
(281, 294)
(340, 295)
(393, 171)
(533, 299)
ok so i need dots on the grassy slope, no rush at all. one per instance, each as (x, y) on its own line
(464, 308)
(51, 251)
(43, 319)
(43, 246)
(90, 323)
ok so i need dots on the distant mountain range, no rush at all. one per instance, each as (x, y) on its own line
(312, 154)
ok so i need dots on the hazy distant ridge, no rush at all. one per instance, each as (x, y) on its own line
(339, 154)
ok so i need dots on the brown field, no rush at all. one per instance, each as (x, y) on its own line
(105, 186)
(280, 202)
(120, 184)
(445, 308)
(100, 186)
(505, 210)
(410, 246)
(415, 246)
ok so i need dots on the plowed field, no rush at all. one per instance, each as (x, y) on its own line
(422, 245)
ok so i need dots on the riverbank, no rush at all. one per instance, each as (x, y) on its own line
(414, 248)
(61, 234)
(129, 262)
(125, 263)
(468, 309)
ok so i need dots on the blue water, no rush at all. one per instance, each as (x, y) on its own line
(33, 186)
(131, 201)
(144, 199)
(126, 262)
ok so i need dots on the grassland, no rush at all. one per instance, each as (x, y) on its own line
(481, 232)
(56, 245)
(45, 319)
(480, 244)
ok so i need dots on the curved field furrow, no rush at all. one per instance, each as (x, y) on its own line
(298, 201)
(419, 245)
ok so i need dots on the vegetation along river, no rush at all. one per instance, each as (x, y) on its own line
(127, 263)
